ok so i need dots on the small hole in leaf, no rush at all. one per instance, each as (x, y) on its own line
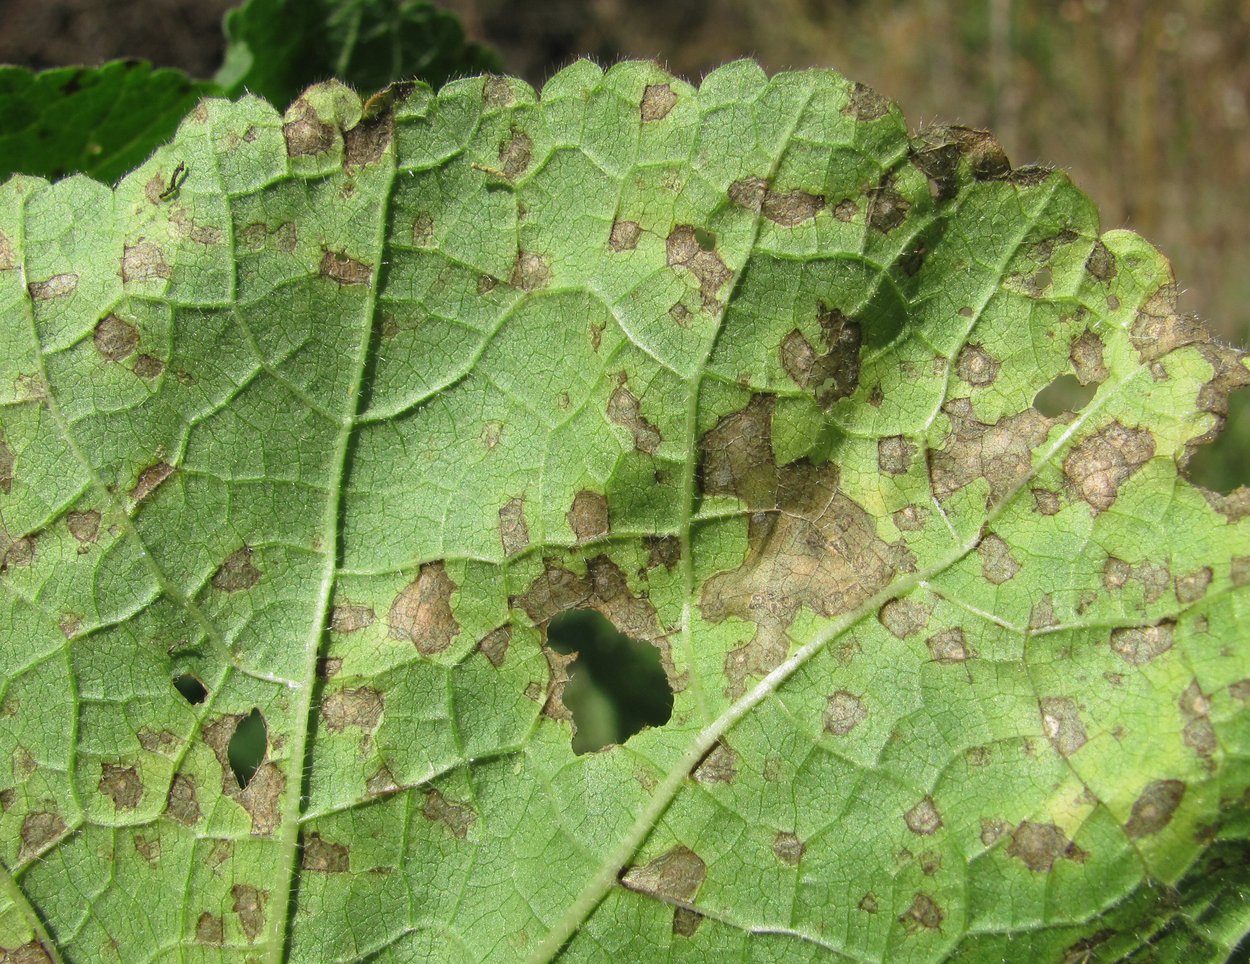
(192, 690)
(1224, 464)
(1064, 394)
(616, 685)
(705, 239)
(246, 750)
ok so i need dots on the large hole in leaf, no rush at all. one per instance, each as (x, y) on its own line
(246, 749)
(705, 239)
(616, 685)
(1064, 394)
(191, 688)
(1224, 464)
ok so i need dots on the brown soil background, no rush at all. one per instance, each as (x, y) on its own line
(1145, 102)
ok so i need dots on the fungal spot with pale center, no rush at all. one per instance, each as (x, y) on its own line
(657, 101)
(616, 685)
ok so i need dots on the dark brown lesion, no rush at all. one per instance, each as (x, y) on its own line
(832, 371)
(605, 589)
(809, 544)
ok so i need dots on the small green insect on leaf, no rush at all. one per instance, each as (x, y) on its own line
(869, 446)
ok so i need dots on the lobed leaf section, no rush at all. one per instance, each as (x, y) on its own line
(325, 439)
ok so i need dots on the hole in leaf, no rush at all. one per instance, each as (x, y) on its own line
(1064, 394)
(246, 750)
(705, 239)
(192, 690)
(1224, 463)
(616, 685)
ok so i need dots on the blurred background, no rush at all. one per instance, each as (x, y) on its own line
(1145, 102)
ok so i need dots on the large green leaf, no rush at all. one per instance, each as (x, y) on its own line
(339, 427)
(276, 48)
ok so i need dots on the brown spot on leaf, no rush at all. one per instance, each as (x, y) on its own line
(923, 818)
(84, 526)
(38, 830)
(788, 848)
(948, 646)
(1001, 453)
(286, 237)
(122, 785)
(1062, 723)
(749, 192)
(421, 613)
(1101, 263)
(894, 455)
(588, 518)
(904, 617)
(8, 461)
(149, 850)
(866, 104)
(515, 154)
(843, 712)
(976, 366)
(1153, 810)
(657, 101)
(686, 921)
(1102, 463)
(305, 133)
(262, 797)
(790, 208)
(719, 765)
(8, 260)
(624, 236)
(1138, 645)
(808, 543)
(360, 707)
(992, 830)
(182, 804)
(868, 903)
(1039, 845)
(150, 480)
(58, 286)
(1046, 502)
(923, 914)
(148, 366)
(367, 141)
(1240, 690)
(624, 410)
(210, 929)
(323, 857)
(423, 231)
(249, 904)
(531, 271)
(684, 251)
(1239, 570)
(887, 209)
(676, 875)
(1195, 707)
(998, 565)
(494, 645)
(833, 372)
(382, 781)
(1087, 359)
(115, 339)
(347, 618)
(456, 817)
(237, 572)
(662, 551)
(144, 261)
(1191, 588)
(343, 270)
(497, 92)
(514, 534)
(910, 518)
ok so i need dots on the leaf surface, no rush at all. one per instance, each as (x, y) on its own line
(338, 429)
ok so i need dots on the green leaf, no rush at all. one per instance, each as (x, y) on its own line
(276, 48)
(338, 428)
(100, 121)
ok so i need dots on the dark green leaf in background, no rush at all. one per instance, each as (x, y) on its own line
(276, 48)
(99, 121)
